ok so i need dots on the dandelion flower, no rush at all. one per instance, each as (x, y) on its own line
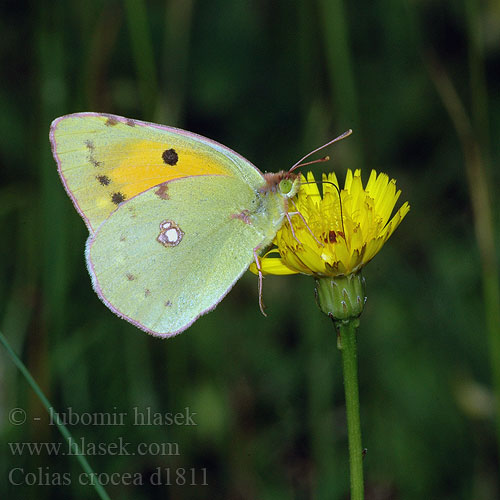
(343, 233)
(334, 234)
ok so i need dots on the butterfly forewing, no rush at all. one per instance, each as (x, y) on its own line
(104, 160)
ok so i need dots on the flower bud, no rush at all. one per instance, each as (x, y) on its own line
(342, 298)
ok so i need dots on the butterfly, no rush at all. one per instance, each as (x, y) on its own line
(174, 218)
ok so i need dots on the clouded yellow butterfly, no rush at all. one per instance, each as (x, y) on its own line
(174, 218)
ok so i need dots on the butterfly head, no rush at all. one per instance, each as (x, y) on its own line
(284, 183)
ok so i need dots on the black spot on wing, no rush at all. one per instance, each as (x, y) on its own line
(90, 146)
(103, 180)
(170, 156)
(117, 198)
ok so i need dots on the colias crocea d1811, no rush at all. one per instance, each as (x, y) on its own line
(174, 218)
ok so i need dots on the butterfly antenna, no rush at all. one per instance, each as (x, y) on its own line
(347, 133)
(321, 160)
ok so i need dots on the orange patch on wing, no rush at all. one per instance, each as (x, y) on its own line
(142, 166)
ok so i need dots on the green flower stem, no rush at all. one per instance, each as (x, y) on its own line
(342, 299)
(62, 428)
(347, 345)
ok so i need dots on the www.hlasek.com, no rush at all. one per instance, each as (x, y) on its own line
(161, 476)
(82, 446)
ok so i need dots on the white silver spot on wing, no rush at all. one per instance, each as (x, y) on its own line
(170, 234)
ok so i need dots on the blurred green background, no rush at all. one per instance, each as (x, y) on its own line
(418, 82)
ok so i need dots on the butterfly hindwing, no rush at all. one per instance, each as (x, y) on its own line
(162, 261)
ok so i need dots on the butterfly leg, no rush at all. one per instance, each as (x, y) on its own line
(259, 268)
(305, 223)
(289, 219)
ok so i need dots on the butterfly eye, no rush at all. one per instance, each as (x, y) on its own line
(288, 187)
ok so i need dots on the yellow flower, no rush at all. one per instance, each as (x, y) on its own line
(331, 235)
